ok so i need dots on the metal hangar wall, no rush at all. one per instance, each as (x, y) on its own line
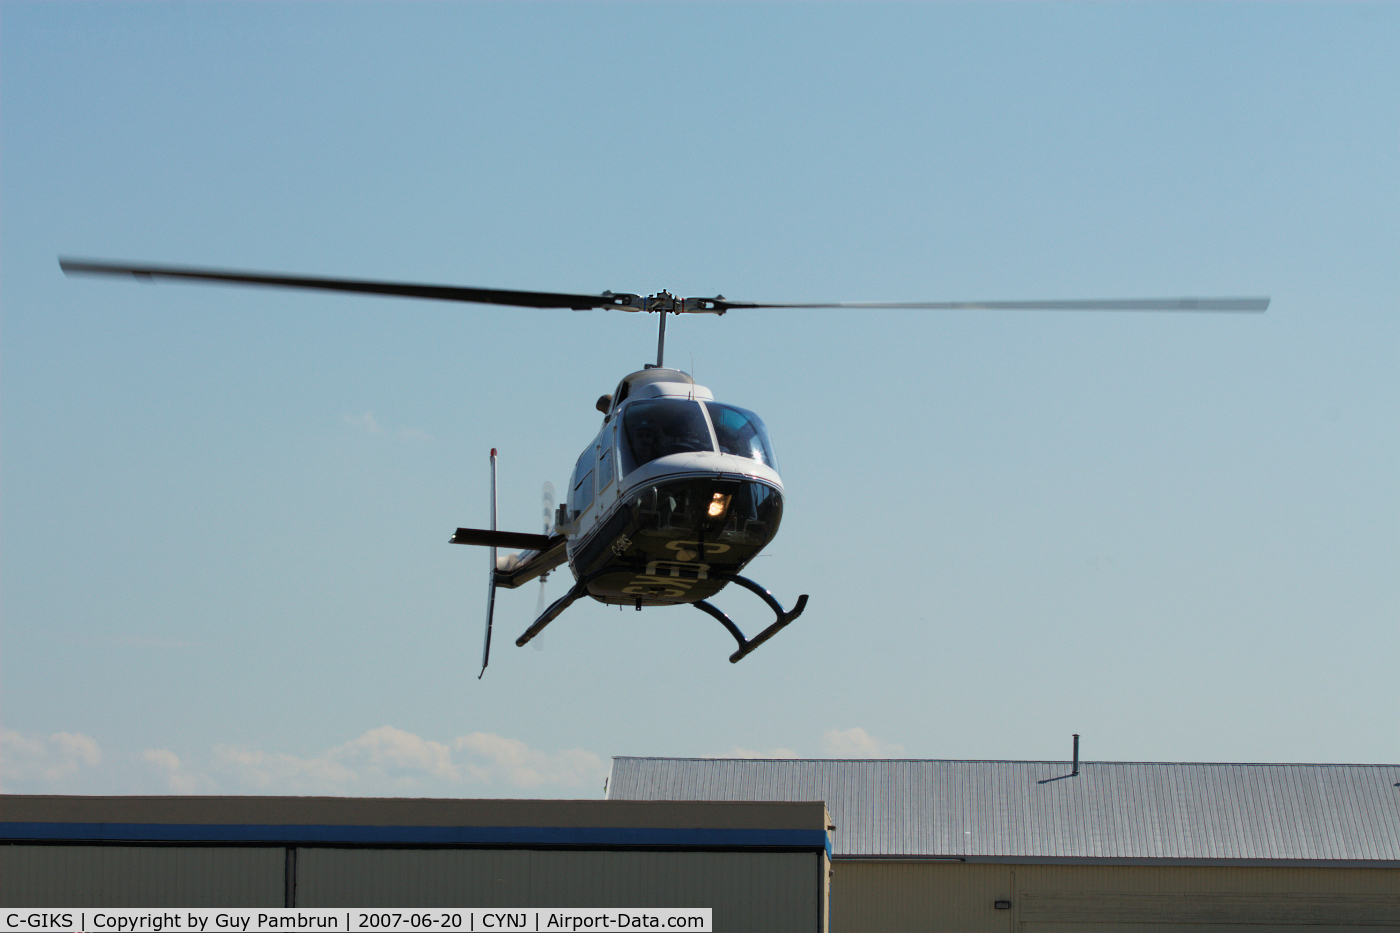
(1036, 847)
(760, 866)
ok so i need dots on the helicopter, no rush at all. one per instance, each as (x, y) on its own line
(678, 492)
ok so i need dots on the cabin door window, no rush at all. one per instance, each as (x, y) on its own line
(581, 496)
(605, 465)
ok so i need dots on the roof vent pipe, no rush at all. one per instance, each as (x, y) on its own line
(1075, 769)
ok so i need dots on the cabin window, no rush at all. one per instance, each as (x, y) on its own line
(605, 468)
(581, 497)
(741, 433)
(656, 427)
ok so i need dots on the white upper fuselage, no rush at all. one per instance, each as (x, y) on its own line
(605, 476)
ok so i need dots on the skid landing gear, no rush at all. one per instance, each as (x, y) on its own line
(747, 645)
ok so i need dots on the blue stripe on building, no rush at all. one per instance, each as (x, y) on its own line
(419, 835)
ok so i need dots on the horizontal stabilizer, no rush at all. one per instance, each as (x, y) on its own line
(533, 564)
(511, 539)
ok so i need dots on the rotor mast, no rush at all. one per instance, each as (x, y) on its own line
(661, 342)
(664, 303)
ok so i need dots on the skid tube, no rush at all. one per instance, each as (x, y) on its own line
(748, 645)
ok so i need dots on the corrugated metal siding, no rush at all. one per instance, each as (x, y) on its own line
(955, 897)
(747, 890)
(919, 896)
(1213, 879)
(1119, 896)
(1034, 809)
(141, 876)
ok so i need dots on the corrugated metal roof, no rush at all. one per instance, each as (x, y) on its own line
(1035, 809)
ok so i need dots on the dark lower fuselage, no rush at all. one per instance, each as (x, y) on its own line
(676, 539)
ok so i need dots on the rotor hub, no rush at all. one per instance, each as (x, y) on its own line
(666, 303)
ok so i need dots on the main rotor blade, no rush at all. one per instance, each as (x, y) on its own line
(489, 296)
(1091, 304)
(577, 302)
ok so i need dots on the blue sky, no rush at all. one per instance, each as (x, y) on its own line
(225, 512)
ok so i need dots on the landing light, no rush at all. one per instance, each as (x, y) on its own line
(719, 504)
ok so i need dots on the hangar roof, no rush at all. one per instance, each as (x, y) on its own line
(1036, 811)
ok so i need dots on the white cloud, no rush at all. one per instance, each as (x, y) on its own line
(493, 757)
(385, 761)
(738, 752)
(180, 780)
(370, 425)
(364, 422)
(278, 773)
(162, 759)
(836, 743)
(391, 760)
(76, 747)
(856, 743)
(397, 748)
(44, 762)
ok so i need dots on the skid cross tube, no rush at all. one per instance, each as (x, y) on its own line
(748, 645)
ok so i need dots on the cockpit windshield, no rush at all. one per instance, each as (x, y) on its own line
(657, 427)
(741, 433)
